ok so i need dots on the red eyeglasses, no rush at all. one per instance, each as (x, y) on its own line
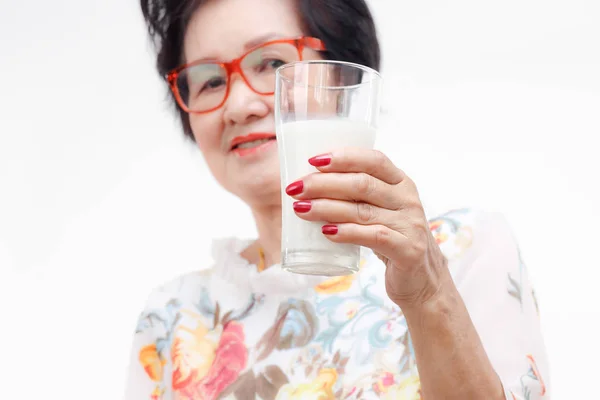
(202, 87)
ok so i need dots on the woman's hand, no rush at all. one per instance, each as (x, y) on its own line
(366, 200)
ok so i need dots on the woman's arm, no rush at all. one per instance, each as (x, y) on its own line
(451, 359)
(480, 338)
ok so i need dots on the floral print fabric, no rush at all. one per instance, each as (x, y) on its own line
(233, 333)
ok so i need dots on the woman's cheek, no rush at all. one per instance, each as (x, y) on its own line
(207, 131)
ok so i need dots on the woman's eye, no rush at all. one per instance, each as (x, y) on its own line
(276, 63)
(272, 64)
(213, 84)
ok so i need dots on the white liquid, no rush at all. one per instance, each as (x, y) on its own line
(299, 141)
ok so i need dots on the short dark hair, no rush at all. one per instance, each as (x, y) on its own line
(345, 26)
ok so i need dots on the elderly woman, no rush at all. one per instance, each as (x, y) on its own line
(440, 309)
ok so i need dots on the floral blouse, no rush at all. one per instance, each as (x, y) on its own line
(231, 332)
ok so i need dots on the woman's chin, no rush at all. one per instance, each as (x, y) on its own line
(259, 187)
(254, 178)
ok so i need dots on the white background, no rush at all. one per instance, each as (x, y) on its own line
(489, 104)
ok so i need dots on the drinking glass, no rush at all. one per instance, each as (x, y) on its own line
(320, 106)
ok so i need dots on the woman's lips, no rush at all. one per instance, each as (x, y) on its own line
(243, 152)
(264, 141)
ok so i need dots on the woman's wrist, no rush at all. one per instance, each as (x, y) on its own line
(442, 302)
(438, 290)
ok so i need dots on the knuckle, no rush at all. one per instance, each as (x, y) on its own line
(364, 184)
(420, 247)
(366, 212)
(420, 230)
(411, 184)
(412, 202)
(419, 225)
(379, 160)
(419, 242)
(382, 236)
(393, 197)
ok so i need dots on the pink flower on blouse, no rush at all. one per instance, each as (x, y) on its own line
(204, 381)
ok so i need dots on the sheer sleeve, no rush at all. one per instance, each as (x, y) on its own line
(144, 373)
(501, 301)
(147, 365)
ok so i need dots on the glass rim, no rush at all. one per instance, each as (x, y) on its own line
(364, 68)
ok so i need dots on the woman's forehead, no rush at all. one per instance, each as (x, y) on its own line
(224, 29)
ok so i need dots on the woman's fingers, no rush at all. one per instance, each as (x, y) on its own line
(381, 239)
(351, 159)
(339, 211)
(354, 186)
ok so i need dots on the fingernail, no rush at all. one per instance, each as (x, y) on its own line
(302, 206)
(329, 229)
(295, 188)
(320, 161)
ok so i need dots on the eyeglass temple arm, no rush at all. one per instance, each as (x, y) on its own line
(314, 43)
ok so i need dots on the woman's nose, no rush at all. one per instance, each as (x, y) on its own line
(243, 104)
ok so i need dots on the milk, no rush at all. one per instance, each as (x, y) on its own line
(303, 242)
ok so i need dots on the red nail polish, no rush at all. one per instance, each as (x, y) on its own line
(302, 206)
(295, 188)
(329, 229)
(320, 161)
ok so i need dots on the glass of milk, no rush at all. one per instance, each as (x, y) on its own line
(320, 106)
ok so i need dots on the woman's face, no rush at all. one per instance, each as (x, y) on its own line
(224, 30)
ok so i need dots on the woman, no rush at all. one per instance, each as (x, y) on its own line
(449, 295)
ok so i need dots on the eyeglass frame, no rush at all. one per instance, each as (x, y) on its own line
(235, 66)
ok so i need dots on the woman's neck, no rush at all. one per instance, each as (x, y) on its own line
(268, 225)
